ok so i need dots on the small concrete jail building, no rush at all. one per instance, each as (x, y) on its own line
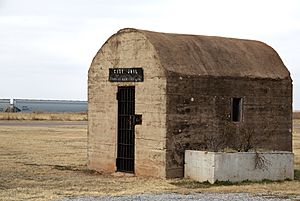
(151, 96)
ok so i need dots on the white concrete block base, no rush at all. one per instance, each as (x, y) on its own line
(240, 166)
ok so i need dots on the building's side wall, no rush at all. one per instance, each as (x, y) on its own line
(127, 50)
(199, 109)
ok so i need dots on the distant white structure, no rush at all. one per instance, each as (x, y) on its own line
(32, 105)
(4, 104)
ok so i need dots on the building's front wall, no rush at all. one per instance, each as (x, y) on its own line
(127, 51)
(199, 109)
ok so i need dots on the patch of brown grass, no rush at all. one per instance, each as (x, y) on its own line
(45, 163)
(296, 142)
(296, 115)
(49, 163)
(44, 116)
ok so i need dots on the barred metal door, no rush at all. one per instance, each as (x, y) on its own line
(126, 110)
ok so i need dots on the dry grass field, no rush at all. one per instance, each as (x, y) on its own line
(44, 116)
(47, 162)
(296, 115)
(296, 143)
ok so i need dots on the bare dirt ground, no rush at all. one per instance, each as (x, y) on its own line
(47, 162)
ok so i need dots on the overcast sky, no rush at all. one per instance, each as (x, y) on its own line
(46, 46)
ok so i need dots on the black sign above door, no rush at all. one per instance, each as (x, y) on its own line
(126, 75)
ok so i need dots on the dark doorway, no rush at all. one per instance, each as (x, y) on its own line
(126, 110)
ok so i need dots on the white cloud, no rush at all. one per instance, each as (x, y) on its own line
(53, 41)
(233, 18)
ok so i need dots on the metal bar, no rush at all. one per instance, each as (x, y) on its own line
(125, 149)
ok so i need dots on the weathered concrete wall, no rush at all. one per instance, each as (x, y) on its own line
(185, 101)
(199, 109)
(235, 167)
(127, 50)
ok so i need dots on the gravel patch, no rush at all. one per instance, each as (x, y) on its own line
(181, 197)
